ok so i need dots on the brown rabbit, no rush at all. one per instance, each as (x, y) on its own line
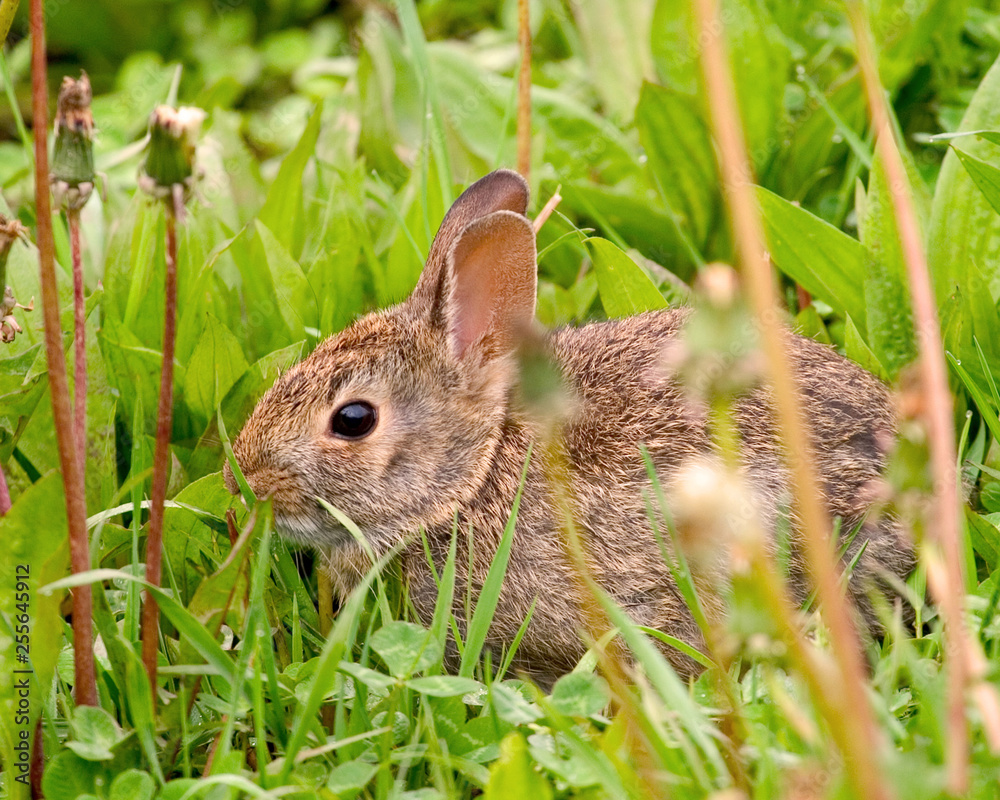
(411, 416)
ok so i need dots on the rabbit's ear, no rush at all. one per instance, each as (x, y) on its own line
(502, 190)
(491, 279)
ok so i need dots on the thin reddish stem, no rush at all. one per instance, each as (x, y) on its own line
(855, 732)
(161, 457)
(76, 506)
(79, 342)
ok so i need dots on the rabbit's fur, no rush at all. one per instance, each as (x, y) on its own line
(452, 437)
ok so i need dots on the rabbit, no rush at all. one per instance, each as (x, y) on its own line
(412, 418)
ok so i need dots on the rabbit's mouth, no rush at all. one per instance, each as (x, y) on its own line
(319, 529)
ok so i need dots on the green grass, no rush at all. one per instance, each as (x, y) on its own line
(332, 148)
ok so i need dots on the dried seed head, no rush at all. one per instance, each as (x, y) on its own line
(173, 133)
(8, 324)
(73, 106)
(10, 231)
(718, 284)
(713, 510)
(717, 356)
(72, 175)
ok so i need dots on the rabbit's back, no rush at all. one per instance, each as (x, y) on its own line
(624, 394)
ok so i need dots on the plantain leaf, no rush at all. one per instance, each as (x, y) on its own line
(826, 262)
(985, 176)
(757, 52)
(282, 210)
(887, 301)
(681, 158)
(624, 288)
(964, 228)
(216, 364)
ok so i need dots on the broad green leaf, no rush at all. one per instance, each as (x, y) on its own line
(201, 639)
(580, 694)
(413, 238)
(681, 158)
(579, 766)
(282, 210)
(829, 264)
(181, 789)
(985, 536)
(69, 777)
(133, 370)
(817, 140)
(405, 647)
(513, 775)
(291, 293)
(512, 706)
(373, 679)
(579, 143)
(33, 533)
(980, 395)
(197, 543)
(641, 222)
(758, 56)
(859, 352)
(615, 39)
(389, 97)
(889, 315)
(94, 734)
(347, 779)
(19, 396)
(216, 364)
(624, 288)
(964, 226)
(984, 175)
(226, 589)
(132, 784)
(444, 685)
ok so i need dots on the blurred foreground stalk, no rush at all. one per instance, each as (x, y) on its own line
(169, 176)
(841, 685)
(76, 509)
(964, 663)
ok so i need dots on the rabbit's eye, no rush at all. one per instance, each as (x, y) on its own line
(353, 420)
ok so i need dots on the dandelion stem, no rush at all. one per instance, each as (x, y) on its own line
(161, 455)
(79, 342)
(76, 508)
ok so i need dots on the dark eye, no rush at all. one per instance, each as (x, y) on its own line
(353, 420)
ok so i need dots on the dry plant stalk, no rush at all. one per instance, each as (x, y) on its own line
(547, 210)
(964, 660)
(76, 508)
(856, 733)
(524, 90)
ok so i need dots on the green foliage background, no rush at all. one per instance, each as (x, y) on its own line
(336, 139)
